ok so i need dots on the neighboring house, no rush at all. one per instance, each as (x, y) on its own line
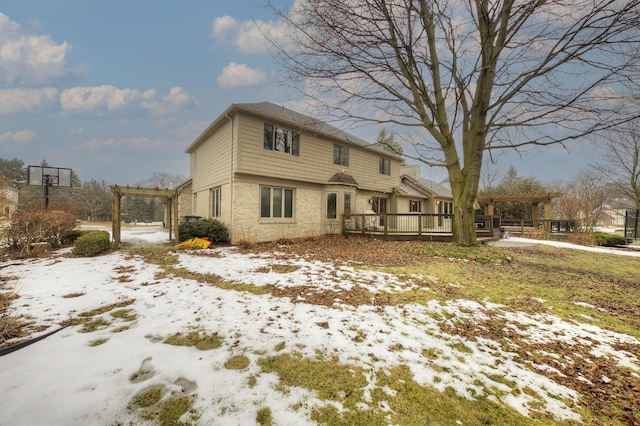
(614, 212)
(270, 173)
(8, 201)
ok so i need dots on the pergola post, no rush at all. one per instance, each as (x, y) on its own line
(534, 214)
(488, 209)
(116, 220)
(547, 215)
(176, 217)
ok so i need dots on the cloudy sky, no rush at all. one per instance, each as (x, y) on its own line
(116, 90)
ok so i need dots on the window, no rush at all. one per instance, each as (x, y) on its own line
(195, 201)
(385, 166)
(415, 206)
(276, 202)
(347, 205)
(332, 205)
(448, 207)
(340, 155)
(216, 201)
(281, 140)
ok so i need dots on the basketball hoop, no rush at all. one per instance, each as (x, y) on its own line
(48, 177)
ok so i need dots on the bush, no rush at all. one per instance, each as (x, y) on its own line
(91, 243)
(581, 238)
(212, 229)
(607, 239)
(34, 232)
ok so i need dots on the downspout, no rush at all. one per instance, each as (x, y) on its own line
(231, 213)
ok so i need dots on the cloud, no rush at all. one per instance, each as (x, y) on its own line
(110, 98)
(177, 99)
(84, 99)
(249, 37)
(137, 144)
(31, 59)
(20, 137)
(240, 75)
(26, 100)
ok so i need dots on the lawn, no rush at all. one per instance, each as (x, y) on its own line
(327, 331)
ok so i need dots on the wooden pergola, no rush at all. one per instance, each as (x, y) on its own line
(534, 199)
(170, 196)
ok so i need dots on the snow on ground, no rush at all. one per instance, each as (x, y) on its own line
(64, 380)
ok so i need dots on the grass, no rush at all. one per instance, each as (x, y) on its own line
(198, 338)
(577, 286)
(408, 402)
(92, 320)
(237, 362)
(599, 289)
(151, 406)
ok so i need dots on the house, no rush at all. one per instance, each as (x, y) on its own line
(271, 173)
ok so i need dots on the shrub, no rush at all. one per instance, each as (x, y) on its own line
(582, 238)
(35, 231)
(212, 229)
(607, 239)
(91, 243)
(10, 325)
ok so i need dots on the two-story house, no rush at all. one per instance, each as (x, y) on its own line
(271, 173)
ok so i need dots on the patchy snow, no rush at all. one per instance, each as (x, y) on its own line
(561, 244)
(64, 380)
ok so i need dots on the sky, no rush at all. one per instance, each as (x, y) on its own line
(117, 90)
(71, 378)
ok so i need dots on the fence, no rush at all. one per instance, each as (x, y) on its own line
(632, 226)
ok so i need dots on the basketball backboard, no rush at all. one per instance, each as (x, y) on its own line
(49, 176)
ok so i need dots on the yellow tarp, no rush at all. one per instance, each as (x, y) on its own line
(195, 243)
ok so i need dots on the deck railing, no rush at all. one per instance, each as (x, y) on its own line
(521, 226)
(408, 224)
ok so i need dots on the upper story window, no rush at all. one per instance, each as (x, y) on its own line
(385, 166)
(281, 140)
(340, 155)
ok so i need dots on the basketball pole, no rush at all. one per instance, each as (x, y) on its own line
(46, 181)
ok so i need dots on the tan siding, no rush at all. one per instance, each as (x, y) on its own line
(315, 163)
(210, 168)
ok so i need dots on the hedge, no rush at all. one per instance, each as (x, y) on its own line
(607, 239)
(92, 243)
(212, 229)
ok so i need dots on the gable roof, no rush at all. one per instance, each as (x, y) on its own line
(343, 178)
(424, 187)
(273, 112)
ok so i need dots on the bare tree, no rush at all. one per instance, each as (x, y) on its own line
(583, 201)
(164, 180)
(467, 76)
(620, 163)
